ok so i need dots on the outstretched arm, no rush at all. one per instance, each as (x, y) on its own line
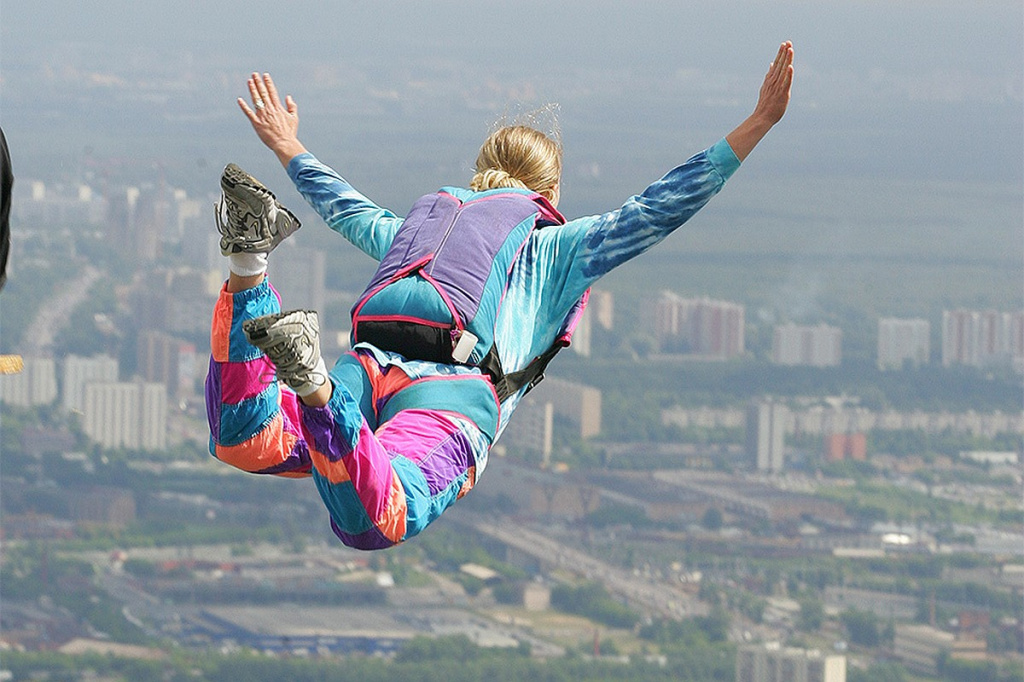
(771, 104)
(587, 248)
(276, 124)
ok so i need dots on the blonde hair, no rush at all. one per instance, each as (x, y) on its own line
(518, 156)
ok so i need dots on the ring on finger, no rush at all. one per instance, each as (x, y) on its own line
(259, 104)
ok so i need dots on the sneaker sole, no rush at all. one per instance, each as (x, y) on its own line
(231, 180)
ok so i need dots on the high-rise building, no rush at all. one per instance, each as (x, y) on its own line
(771, 662)
(577, 402)
(152, 416)
(602, 303)
(35, 384)
(126, 415)
(1017, 340)
(583, 334)
(532, 430)
(982, 338)
(534, 422)
(172, 300)
(165, 359)
(818, 346)
(79, 371)
(902, 341)
(840, 446)
(766, 435)
(700, 326)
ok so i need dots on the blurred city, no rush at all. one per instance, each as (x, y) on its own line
(785, 445)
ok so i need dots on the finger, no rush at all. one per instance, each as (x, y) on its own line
(782, 66)
(249, 113)
(787, 53)
(781, 53)
(778, 66)
(253, 91)
(293, 108)
(261, 88)
(271, 89)
(787, 70)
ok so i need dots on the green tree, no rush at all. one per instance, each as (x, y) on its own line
(592, 600)
(878, 672)
(812, 614)
(861, 627)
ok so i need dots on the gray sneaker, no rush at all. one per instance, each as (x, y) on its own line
(249, 217)
(291, 341)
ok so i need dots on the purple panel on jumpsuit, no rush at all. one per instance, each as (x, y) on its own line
(213, 393)
(445, 462)
(371, 539)
(297, 460)
(326, 434)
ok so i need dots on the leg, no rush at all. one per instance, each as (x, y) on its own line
(385, 485)
(381, 485)
(254, 423)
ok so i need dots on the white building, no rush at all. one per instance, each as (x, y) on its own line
(602, 306)
(126, 415)
(583, 334)
(79, 372)
(901, 341)
(35, 384)
(766, 435)
(982, 338)
(920, 646)
(773, 663)
(819, 346)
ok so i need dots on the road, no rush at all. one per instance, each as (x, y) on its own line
(656, 597)
(40, 335)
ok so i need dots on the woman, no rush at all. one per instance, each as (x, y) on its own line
(390, 441)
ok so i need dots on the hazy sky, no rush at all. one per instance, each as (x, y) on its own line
(945, 77)
(886, 92)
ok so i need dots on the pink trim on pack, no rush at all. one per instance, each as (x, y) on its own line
(456, 320)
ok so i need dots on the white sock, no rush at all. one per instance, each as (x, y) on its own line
(247, 264)
(317, 378)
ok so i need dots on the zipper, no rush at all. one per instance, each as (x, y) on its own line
(444, 240)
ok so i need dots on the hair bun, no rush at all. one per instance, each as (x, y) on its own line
(495, 178)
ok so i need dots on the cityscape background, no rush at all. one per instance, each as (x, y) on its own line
(785, 442)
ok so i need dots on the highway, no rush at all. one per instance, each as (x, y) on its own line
(655, 597)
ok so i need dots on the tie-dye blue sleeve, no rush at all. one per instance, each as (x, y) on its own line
(368, 226)
(587, 248)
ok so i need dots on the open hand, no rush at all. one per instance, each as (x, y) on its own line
(774, 95)
(772, 101)
(276, 123)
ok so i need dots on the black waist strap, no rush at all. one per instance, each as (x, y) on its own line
(434, 344)
(529, 376)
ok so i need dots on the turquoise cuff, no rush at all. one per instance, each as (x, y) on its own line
(723, 158)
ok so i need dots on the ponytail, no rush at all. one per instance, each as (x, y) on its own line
(493, 178)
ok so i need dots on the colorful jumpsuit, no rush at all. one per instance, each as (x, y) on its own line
(400, 440)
